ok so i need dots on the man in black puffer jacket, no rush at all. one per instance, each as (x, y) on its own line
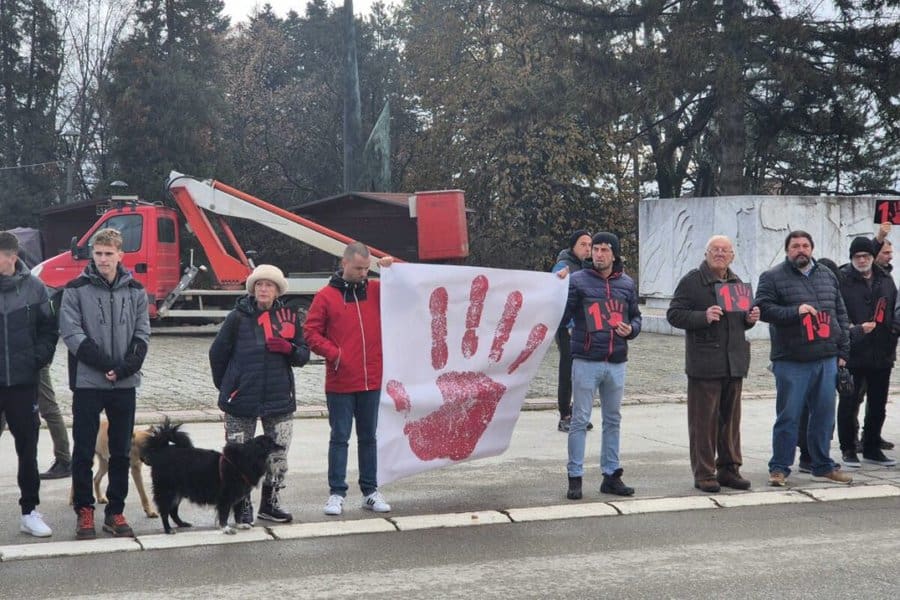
(28, 338)
(808, 327)
(870, 297)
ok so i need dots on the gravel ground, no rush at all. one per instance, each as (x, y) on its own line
(177, 378)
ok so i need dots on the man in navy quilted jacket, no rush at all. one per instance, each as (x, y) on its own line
(603, 306)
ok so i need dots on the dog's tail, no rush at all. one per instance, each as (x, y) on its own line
(162, 436)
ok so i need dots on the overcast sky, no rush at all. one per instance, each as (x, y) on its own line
(238, 10)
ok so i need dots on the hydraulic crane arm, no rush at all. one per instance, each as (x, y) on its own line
(191, 195)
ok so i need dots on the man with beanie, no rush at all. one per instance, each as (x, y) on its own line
(808, 326)
(870, 297)
(717, 359)
(603, 305)
(104, 323)
(27, 343)
(573, 258)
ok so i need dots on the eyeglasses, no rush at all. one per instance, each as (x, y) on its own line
(721, 251)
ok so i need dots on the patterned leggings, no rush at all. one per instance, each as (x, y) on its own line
(280, 429)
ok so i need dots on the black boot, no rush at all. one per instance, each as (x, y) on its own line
(613, 484)
(574, 492)
(58, 470)
(269, 508)
(243, 513)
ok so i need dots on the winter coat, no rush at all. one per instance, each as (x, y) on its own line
(106, 327)
(876, 349)
(252, 381)
(28, 332)
(592, 296)
(711, 350)
(567, 258)
(781, 291)
(344, 326)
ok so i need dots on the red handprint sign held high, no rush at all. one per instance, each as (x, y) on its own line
(470, 398)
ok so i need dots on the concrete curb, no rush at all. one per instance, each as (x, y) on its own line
(391, 525)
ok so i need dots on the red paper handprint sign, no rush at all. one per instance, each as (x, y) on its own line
(823, 329)
(615, 308)
(285, 325)
(469, 397)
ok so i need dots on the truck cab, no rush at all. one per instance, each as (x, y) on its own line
(150, 242)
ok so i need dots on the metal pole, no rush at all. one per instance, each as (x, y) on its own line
(70, 175)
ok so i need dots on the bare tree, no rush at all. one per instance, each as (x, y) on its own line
(90, 29)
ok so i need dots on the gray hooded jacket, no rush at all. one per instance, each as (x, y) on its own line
(106, 327)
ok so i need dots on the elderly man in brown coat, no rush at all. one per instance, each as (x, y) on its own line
(717, 358)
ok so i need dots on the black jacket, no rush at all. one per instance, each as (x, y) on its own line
(28, 328)
(875, 350)
(712, 350)
(781, 291)
(252, 381)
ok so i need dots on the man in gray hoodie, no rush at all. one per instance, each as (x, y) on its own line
(105, 326)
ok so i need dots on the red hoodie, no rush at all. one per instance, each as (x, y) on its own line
(344, 326)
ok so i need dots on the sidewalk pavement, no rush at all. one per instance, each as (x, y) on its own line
(527, 482)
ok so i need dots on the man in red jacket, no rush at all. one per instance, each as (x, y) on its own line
(344, 326)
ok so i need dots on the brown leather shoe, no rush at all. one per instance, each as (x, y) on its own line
(731, 477)
(707, 485)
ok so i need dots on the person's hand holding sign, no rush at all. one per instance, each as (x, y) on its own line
(868, 326)
(714, 313)
(807, 309)
(752, 316)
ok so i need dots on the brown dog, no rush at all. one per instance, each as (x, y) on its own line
(138, 438)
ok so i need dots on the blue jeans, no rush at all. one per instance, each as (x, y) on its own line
(609, 380)
(342, 409)
(799, 384)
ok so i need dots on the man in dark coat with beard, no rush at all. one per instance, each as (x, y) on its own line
(574, 259)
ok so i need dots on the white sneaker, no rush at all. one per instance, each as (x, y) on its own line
(335, 505)
(33, 524)
(376, 503)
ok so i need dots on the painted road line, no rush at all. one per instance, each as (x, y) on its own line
(186, 539)
(561, 511)
(760, 499)
(330, 528)
(859, 492)
(485, 517)
(68, 548)
(651, 505)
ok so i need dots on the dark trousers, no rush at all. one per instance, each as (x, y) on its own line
(49, 411)
(87, 404)
(714, 425)
(871, 384)
(564, 386)
(18, 403)
(343, 409)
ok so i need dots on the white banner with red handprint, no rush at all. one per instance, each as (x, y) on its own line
(461, 345)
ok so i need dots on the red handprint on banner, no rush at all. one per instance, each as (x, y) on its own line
(823, 328)
(469, 398)
(616, 310)
(744, 298)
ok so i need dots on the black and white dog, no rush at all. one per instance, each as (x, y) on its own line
(205, 477)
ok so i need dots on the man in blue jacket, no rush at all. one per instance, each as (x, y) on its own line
(809, 330)
(603, 305)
